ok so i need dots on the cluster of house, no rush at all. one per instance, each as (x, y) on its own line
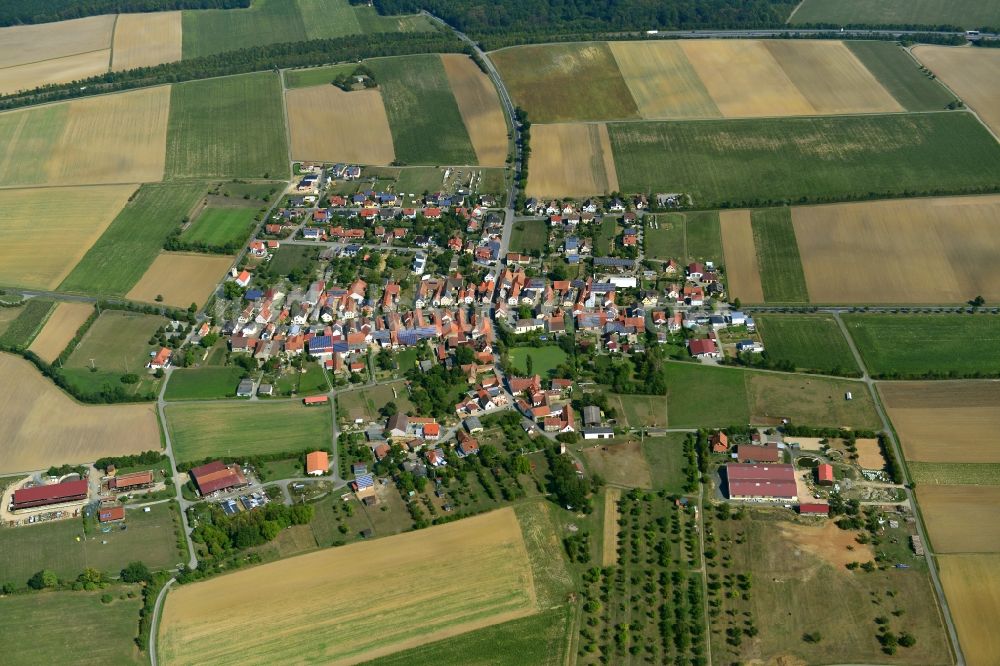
(708, 346)
(591, 206)
(550, 408)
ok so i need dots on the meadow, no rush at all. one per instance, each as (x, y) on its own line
(665, 456)
(203, 383)
(604, 237)
(901, 346)
(639, 411)
(701, 396)
(181, 278)
(897, 71)
(98, 634)
(781, 274)
(27, 322)
(963, 13)
(703, 237)
(362, 135)
(117, 342)
(811, 343)
(529, 236)
(130, 244)
(666, 239)
(317, 76)
(619, 462)
(810, 400)
(424, 117)
(743, 277)
(365, 403)
(971, 73)
(199, 622)
(288, 258)
(760, 161)
(972, 586)
(544, 359)
(571, 160)
(200, 431)
(227, 127)
(221, 227)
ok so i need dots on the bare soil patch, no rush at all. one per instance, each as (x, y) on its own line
(181, 278)
(973, 74)
(961, 519)
(620, 463)
(329, 124)
(479, 104)
(742, 268)
(570, 160)
(609, 546)
(60, 328)
(828, 542)
(146, 39)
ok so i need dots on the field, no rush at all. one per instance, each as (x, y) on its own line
(917, 345)
(30, 438)
(423, 114)
(571, 160)
(41, 260)
(665, 456)
(703, 236)
(546, 82)
(181, 278)
(699, 396)
(964, 13)
(98, 634)
(199, 620)
(288, 258)
(961, 519)
(57, 70)
(972, 74)
(529, 236)
(219, 227)
(132, 242)
(60, 328)
(945, 421)
(227, 127)
(329, 124)
(955, 474)
(619, 462)
(900, 74)
(749, 162)
(809, 400)
(972, 587)
(666, 240)
(544, 359)
(36, 55)
(812, 343)
(146, 40)
(662, 81)
(640, 411)
(316, 76)
(479, 104)
(365, 403)
(203, 383)
(116, 343)
(742, 268)
(905, 251)
(206, 32)
(781, 275)
(24, 323)
(200, 431)
(609, 540)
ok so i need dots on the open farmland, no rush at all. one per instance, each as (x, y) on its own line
(324, 19)
(742, 268)
(900, 74)
(317, 76)
(27, 320)
(30, 438)
(227, 127)
(99, 633)
(688, 384)
(955, 474)
(778, 256)
(662, 81)
(945, 421)
(974, 75)
(41, 240)
(60, 328)
(201, 431)
(806, 400)
(57, 70)
(181, 278)
(752, 162)
(116, 344)
(327, 123)
(36, 55)
(972, 586)
(117, 138)
(964, 13)
(905, 251)
(146, 40)
(961, 519)
(479, 104)
(116, 262)
(571, 160)
(219, 227)
(424, 117)
(204, 383)
(204, 621)
(210, 31)
(921, 345)
(812, 343)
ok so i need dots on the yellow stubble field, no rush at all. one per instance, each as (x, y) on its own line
(742, 267)
(23, 44)
(60, 328)
(973, 74)
(329, 124)
(662, 80)
(972, 586)
(479, 104)
(571, 159)
(961, 519)
(310, 608)
(41, 426)
(933, 250)
(55, 70)
(146, 39)
(181, 278)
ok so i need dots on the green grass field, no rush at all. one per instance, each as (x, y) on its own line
(665, 456)
(810, 400)
(666, 241)
(371, 21)
(365, 403)
(426, 125)
(206, 32)
(324, 19)
(150, 537)
(227, 127)
(126, 249)
(812, 343)
(543, 359)
(288, 258)
(117, 343)
(71, 627)
(529, 236)
(781, 273)
(317, 76)
(218, 227)
(604, 237)
(703, 237)
(955, 474)
(703, 396)
(916, 345)
(897, 71)
(753, 162)
(19, 332)
(228, 429)
(203, 383)
(961, 13)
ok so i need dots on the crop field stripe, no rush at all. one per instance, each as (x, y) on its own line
(901, 75)
(974, 75)
(30, 319)
(479, 104)
(609, 542)
(326, 123)
(662, 81)
(972, 586)
(782, 279)
(955, 474)
(219, 226)
(741, 256)
(146, 39)
(60, 328)
(964, 13)
(571, 160)
(127, 248)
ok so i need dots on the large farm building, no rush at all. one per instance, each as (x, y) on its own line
(216, 476)
(761, 482)
(56, 493)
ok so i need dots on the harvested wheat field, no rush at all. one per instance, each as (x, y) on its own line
(147, 39)
(479, 104)
(741, 256)
(609, 545)
(961, 519)
(310, 609)
(23, 44)
(41, 426)
(973, 75)
(662, 81)
(571, 160)
(60, 328)
(181, 278)
(328, 124)
(936, 250)
(56, 70)
(972, 586)
(827, 542)
(945, 421)
(45, 232)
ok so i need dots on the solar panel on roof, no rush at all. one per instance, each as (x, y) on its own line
(365, 481)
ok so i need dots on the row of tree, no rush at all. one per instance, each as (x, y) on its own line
(13, 12)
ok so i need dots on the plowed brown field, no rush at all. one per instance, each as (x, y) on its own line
(328, 124)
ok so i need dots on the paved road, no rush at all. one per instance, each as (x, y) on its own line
(169, 452)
